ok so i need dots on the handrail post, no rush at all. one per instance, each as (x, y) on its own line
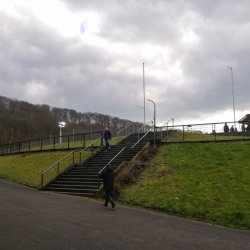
(102, 138)
(83, 140)
(42, 181)
(58, 168)
(183, 134)
(214, 133)
(98, 182)
(92, 148)
(73, 157)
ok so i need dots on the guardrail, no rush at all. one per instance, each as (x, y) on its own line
(163, 126)
(118, 133)
(69, 163)
(141, 139)
(109, 163)
(50, 143)
(145, 126)
(222, 131)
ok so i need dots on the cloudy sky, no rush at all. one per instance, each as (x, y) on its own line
(88, 56)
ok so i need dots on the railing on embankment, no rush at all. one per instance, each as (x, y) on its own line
(205, 132)
(51, 143)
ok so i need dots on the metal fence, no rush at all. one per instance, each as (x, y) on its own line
(204, 132)
(66, 142)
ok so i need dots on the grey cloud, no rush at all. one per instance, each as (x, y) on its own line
(79, 75)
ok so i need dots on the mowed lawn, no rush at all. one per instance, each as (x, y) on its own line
(27, 168)
(205, 181)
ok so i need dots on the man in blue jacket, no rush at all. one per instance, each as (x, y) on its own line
(107, 137)
(108, 182)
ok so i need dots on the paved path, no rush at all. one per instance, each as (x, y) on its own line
(33, 220)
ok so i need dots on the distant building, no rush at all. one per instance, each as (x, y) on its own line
(245, 119)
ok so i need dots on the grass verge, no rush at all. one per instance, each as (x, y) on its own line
(206, 181)
(28, 168)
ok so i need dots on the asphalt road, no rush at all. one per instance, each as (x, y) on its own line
(33, 220)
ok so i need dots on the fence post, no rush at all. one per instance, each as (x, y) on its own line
(29, 145)
(42, 181)
(102, 138)
(84, 140)
(41, 144)
(10, 148)
(19, 146)
(68, 141)
(183, 134)
(214, 133)
(54, 142)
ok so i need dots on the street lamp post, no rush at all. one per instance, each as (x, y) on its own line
(232, 91)
(61, 125)
(154, 118)
(143, 95)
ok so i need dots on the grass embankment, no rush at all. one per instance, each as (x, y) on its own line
(205, 181)
(28, 168)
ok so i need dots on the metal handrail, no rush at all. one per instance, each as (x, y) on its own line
(143, 127)
(27, 145)
(57, 163)
(140, 140)
(167, 126)
(107, 164)
(122, 130)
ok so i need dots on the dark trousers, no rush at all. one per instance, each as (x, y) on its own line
(109, 198)
(107, 143)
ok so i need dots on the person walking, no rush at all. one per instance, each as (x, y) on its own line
(107, 136)
(108, 182)
(243, 127)
(226, 128)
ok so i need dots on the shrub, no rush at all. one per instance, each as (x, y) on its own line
(157, 141)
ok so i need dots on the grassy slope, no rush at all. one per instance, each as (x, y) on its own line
(206, 181)
(27, 169)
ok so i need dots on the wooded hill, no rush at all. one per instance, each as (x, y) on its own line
(21, 121)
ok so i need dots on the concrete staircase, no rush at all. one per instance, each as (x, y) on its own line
(82, 179)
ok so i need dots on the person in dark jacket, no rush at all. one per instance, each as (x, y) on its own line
(107, 136)
(226, 128)
(108, 182)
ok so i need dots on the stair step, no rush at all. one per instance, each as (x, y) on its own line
(73, 190)
(74, 186)
(89, 183)
(78, 194)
